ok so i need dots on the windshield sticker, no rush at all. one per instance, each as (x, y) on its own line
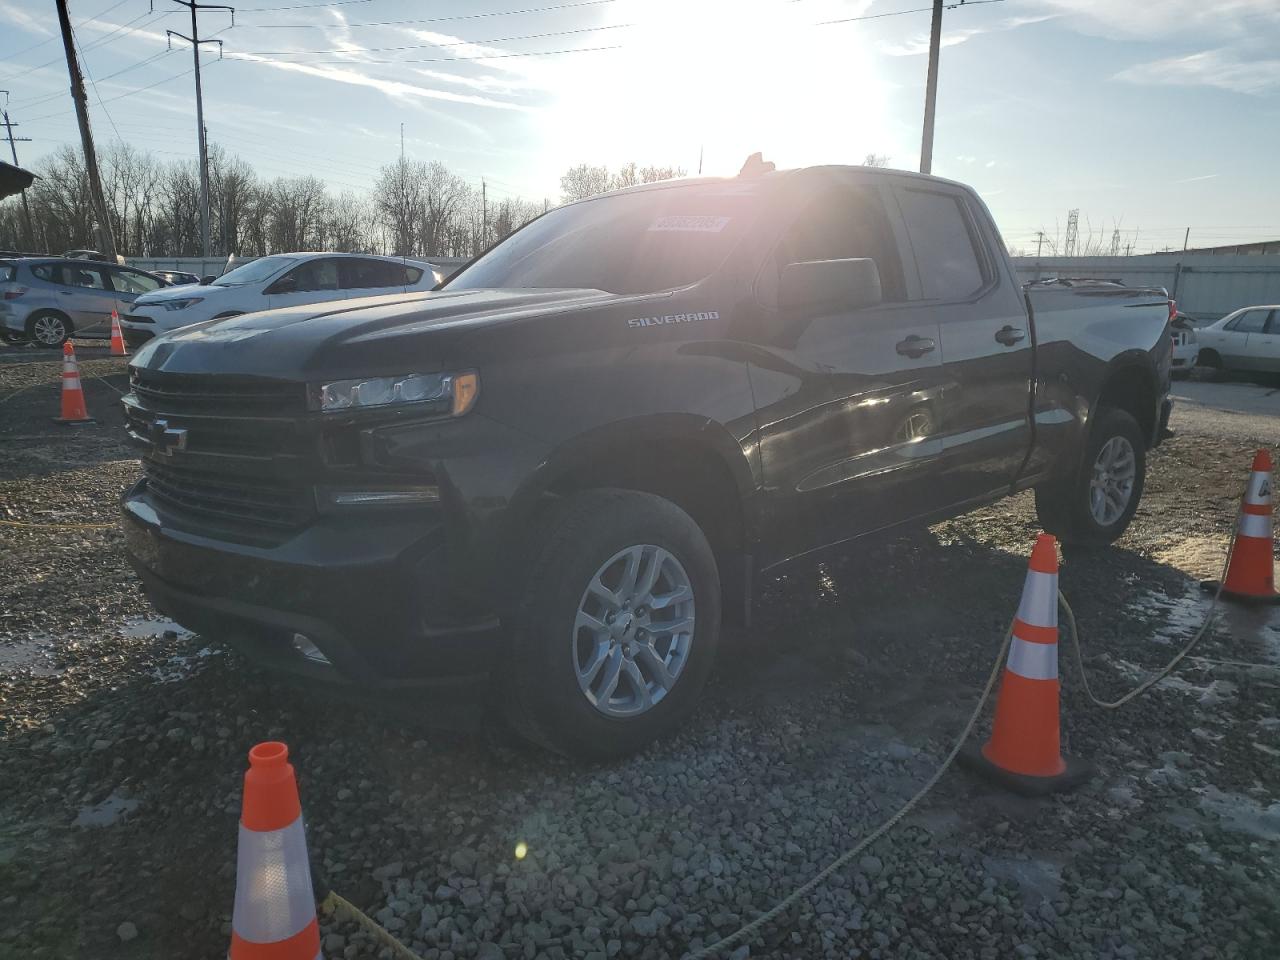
(673, 318)
(689, 224)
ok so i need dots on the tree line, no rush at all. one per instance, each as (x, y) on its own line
(413, 208)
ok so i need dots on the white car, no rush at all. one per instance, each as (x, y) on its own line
(280, 280)
(1248, 339)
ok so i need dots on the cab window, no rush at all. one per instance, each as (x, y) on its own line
(842, 223)
(944, 242)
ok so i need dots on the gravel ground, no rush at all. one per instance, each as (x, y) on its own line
(123, 745)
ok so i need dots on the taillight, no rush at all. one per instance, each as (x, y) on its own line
(1173, 310)
(13, 293)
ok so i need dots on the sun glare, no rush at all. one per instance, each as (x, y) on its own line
(728, 77)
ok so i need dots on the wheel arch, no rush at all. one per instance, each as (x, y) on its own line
(1130, 385)
(691, 461)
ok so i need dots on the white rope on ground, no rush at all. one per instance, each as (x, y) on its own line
(802, 891)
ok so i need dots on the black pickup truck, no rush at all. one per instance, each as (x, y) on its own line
(555, 475)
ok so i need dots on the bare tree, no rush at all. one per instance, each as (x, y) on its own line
(582, 181)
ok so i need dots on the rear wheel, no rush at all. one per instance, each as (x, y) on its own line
(1095, 506)
(616, 630)
(48, 328)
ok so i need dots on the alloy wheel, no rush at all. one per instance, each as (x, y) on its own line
(633, 631)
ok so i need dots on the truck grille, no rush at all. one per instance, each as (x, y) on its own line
(261, 501)
(218, 395)
(224, 451)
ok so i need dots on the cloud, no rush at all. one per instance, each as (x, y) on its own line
(920, 43)
(1207, 176)
(1222, 18)
(18, 17)
(1222, 68)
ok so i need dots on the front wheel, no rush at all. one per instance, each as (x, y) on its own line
(1094, 507)
(617, 627)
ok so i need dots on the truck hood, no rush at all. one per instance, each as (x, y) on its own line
(388, 334)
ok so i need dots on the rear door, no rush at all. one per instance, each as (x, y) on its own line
(86, 295)
(985, 338)
(846, 398)
(367, 277)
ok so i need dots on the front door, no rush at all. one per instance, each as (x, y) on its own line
(1264, 347)
(129, 285)
(986, 340)
(310, 282)
(847, 400)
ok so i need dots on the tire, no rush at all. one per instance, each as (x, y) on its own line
(1070, 509)
(590, 537)
(49, 329)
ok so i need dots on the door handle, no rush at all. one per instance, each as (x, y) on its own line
(1010, 335)
(915, 346)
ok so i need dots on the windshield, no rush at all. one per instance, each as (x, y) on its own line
(631, 243)
(254, 272)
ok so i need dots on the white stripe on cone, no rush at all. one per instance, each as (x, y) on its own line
(1255, 525)
(274, 898)
(1258, 492)
(1035, 661)
(1039, 606)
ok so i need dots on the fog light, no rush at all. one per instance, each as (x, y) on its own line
(309, 650)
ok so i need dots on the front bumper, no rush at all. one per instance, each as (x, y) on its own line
(361, 589)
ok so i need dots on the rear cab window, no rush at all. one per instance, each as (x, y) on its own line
(943, 238)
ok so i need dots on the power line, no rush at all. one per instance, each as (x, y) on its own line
(388, 23)
(134, 92)
(496, 56)
(94, 83)
(37, 46)
(127, 27)
(451, 43)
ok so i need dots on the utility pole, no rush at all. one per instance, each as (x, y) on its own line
(699, 161)
(931, 89)
(29, 239)
(105, 238)
(195, 42)
(484, 215)
(402, 141)
(1185, 237)
(1039, 242)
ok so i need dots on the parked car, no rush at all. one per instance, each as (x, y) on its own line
(1247, 339)
(46, 300)
(93, 255)
(176, 278)
(1186, 345)
(548, 482)
(268, 283)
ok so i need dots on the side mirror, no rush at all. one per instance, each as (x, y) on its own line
(841, 284)
(205, 281)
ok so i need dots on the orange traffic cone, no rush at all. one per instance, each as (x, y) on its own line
(73, 408)
(117, 337)
(275, 910)
(1250, 575)
(1024, 752)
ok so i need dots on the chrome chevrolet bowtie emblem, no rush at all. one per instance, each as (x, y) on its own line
(165, 438)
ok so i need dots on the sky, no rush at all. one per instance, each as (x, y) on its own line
(1149, 116)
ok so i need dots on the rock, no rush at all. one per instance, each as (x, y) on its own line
(871, 865)
(334, 942)
(627, 806)
(126, 932)
(388, 871)
(464, 861)
(490, 951)
(644, 926)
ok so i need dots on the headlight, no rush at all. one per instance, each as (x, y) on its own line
(180, 304)
(452, 393)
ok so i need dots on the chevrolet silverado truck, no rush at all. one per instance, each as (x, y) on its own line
(547, 482)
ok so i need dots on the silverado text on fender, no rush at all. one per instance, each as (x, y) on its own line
(552, 476)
